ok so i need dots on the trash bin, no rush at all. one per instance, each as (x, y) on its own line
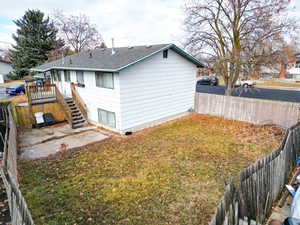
(39, 118)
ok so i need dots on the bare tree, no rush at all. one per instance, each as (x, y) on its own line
(77, 31)
(230, 30)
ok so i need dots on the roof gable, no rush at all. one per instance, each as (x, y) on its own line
(104, 60)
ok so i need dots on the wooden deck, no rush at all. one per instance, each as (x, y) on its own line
(38, 94)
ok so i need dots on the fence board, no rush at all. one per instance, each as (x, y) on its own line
(259, 184)
(256, 111)
(18, 208)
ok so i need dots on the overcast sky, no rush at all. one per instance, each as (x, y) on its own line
(129, 22)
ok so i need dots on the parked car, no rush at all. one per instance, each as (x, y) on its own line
(15, 89)
(40, 79)
(208, 80)
(244, 83)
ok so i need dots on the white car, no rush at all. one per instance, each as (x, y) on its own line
(244, 83)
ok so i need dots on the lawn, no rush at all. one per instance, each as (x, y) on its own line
(169, 174)
(280, 83)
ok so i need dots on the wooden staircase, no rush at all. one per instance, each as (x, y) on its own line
(77, 116)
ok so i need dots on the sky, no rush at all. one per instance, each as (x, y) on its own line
(129, 22)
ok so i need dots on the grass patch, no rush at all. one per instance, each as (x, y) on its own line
(170, 174)
(280, 83)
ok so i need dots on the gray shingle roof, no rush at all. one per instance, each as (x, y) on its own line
(104, 60)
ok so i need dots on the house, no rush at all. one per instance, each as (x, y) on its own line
(294, 71)
(129, 88)
(5, 68)
(268, 72)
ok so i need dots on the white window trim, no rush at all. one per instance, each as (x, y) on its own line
(113, 80)
(106, 124)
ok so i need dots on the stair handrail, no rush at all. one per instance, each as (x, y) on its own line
(78, 100)
(64, 106)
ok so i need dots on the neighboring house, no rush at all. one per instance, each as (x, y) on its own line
(5, 68)
(294, 71)
(269, 73)
(129, 88)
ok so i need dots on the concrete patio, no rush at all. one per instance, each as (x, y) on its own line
(40, 143)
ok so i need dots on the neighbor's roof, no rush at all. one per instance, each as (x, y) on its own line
(4, 61)
(103, 60)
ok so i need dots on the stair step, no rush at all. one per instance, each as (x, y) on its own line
(76, 118)
(78, 113)
(79, 124)
(74, 108)
(78, 121)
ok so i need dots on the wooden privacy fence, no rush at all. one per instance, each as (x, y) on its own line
(20, 215)
(258, 111)
(259, 185)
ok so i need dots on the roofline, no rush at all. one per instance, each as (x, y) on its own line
(4, 61)
(170, 46)
(74, 68)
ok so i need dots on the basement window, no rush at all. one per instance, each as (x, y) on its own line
(107, 118)
(165, 54)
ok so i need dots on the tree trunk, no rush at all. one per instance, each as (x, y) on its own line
(228, 91)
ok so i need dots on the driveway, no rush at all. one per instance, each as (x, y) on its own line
(261, 93)
(40, 143)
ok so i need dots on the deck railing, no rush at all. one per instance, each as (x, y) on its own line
(36, 93)
(76, 97)
(64, 106)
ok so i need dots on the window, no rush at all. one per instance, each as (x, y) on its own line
(67, 76)
(107, 118)
(79, 77)
(104, 80)
(165, 54)
(58, 74)
(53, 75)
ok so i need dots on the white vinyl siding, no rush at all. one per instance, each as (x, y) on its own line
(107, 118)
(156, 88)
(80, 77)
(96, 98)
(104, 80)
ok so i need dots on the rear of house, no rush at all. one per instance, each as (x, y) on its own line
(126, 89)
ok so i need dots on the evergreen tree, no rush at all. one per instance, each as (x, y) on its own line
(35, 38)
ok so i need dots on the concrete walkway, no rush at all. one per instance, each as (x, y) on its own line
(40, 143)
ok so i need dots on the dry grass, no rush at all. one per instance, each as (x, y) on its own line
(280, 84)
(170, 174)
(12, 82)
(22, 98)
